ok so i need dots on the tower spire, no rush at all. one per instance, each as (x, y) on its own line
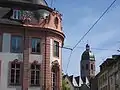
(87, 47)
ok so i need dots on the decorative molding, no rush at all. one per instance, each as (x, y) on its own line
(35, 62)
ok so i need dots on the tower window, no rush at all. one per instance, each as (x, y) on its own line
(91, 66)
(86, 66)
(16, 44)
(36, 45)
(56, 49)
(35, 74)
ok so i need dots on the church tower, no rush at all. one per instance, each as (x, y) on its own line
(87, 64)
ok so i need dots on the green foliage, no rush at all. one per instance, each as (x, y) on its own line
(65, 85)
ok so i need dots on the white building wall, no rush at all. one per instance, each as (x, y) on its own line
(6, 57)
(6, 42)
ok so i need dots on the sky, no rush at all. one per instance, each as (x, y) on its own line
(78, 17)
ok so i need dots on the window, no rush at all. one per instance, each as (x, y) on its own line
(82, 67)
(54, 81)
(16, 44)
(56, 49)
(15, 69)
(35, 75)
(36, 45)
(111, 80)
(86, 66)
(91, 66)
(56, 22)
(16, 14)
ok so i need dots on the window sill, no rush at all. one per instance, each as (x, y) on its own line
(14, 84)
(36, 53)
(34, 85)
(56, 57)
(16, 52)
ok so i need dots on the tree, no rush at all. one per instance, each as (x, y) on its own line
(65, 85)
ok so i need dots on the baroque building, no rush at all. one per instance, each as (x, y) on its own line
(87, 64)
(31, 38)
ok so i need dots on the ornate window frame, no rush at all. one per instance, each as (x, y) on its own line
(36, 68)
(16, 69)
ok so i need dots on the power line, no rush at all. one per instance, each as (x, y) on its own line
(95, 23)
(89, 31)
(69, 61)
(101, 49)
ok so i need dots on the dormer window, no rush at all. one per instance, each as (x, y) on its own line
(16, 14)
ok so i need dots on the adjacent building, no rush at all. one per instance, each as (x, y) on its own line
(31, 38)
(109, 75)
(76, 83)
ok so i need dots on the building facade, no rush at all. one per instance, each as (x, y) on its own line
(31, 38)
(109, 76)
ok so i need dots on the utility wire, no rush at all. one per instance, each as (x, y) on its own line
(101, 49)
(89, 31)
(95, 23)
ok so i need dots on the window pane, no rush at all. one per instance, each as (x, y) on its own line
(12, 75)
(12, 65)
(32, 66)
(17, 76)
(16, 44)
(18, 66)
(86, 66)
(37, 74)
(92, 66)
(36, 45)
(32, 74)
(32, 81)
(37, 82)
(38, 67)
(56, 49)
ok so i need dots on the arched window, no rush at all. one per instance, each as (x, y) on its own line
(35, 74)
(15, 72)
(56, 22)
(55, 76)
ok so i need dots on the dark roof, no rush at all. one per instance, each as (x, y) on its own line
(77, 79)
(40, 2)
(109, 62)
(5, 16)
(71, 78)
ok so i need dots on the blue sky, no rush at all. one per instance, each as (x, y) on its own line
(78, 16)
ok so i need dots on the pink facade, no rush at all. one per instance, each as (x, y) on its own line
(30, 57)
